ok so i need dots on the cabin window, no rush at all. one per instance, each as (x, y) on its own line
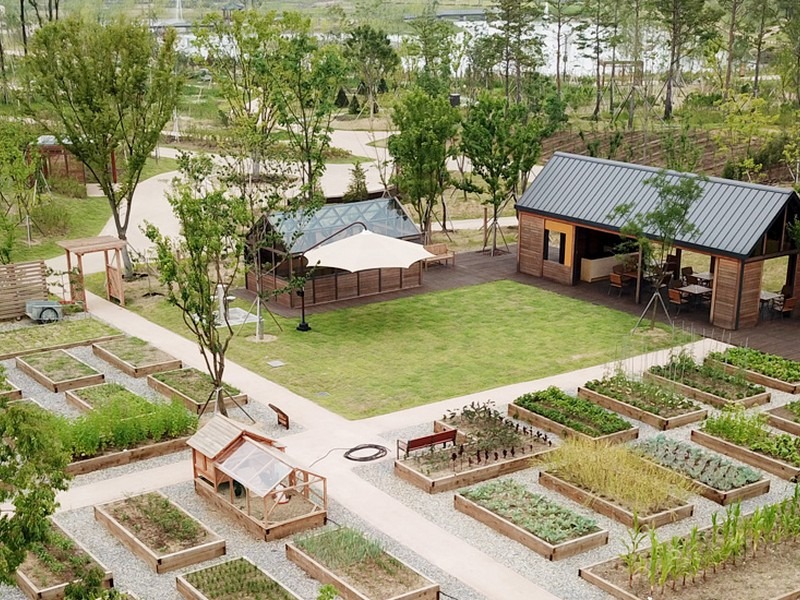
(554, 246)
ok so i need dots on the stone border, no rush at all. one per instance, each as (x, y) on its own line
(759, 378)
(132, 370)
(188, 591)
(706, 397)
(550, 551)
(56, 592)
(628, 410)
(609, 509)
(64, 384)
(124, 457)
(562, 431)
(319, 572)
(770, 465)
(64, 346)
(162, 563)
(194, 407)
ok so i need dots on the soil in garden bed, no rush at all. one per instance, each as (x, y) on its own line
(764, 577)
(58, 365)
(191, 382)
(158, 524)
(784, 413)
(135, 351)
(56, 562)
(372, 579)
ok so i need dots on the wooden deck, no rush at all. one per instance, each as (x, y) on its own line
(778, 336)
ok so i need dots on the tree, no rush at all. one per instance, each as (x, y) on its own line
(688, 24)
(213, 221)
(503, 143)
(19, 174)
(519, 48)
(104, 91)
(765, 14)
(433, 46)
(420, 150)
(594, 34)
(745, 118)
(789, 53)
(561, 12)
(734, 10)
(371, 55)
(357, 188)
(32, 468)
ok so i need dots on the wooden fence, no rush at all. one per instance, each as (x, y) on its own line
(20, 282)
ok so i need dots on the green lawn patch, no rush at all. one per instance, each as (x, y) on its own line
(386, 356)
(38, 337)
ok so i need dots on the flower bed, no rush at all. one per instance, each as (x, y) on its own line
(58, 370)
(64, 334)
(642, 400)
(135, 357)
(193, 388)
(8, 391)
(707, 383)
(89, 398)
(488, 446)
(618, 483)
(237, 578)
(568, 416)
(760, 367)
(718, 479)
(159, 532)
(746, 438)
(786, 417)
(532, 520)
(739, 557)
(358, 567)
(50, 567)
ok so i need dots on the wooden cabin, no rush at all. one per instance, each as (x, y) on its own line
(290, 235)
(568, 234)
(248, 475)
(59, 163)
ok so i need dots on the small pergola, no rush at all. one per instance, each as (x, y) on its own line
(243, 472)
(113, 266)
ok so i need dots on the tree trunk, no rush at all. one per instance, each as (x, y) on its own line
(559, 25)
(3, 73)
(598, 78)
(759, 47)
(24, 28)
(673, 61)
(731, 40)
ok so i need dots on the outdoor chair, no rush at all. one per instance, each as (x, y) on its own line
(692, 280)
(686, 272)
(784, 307)
(615, 281)
(786, 291)
(678, 298)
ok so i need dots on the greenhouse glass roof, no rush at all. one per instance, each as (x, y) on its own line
(383, 215)
(255, 467)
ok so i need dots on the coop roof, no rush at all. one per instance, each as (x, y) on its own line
(219, 433)
(730, 216)
(256, 466)
(300, 231)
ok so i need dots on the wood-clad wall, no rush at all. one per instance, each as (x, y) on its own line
(750, 302)
(530, 249)
(557, 272)
(796, 279)
(726, 293)
(20, 282)
(342, 285)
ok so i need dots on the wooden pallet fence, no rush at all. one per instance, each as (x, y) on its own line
(759, 378)
(562, 431)
(346, 591)
(611, 510)
(766, 463)
(526, 538)
(63, 385)
(20, 282)
(162, 563)
(706, 397)
(628, 410)
(135, 370)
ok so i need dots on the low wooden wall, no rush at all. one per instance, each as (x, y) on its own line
(135, 370)
(124, 457)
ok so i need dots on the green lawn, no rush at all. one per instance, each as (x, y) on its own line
(386, 356)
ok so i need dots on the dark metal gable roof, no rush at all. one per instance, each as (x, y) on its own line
(731, 216)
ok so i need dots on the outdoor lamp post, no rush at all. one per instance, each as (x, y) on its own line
(303, 326)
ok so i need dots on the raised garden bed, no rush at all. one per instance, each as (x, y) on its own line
(618, 483)
(746, 438)
(532, 520)
(55, 336)
(760, 367)
(237, 578)
(642, 400)
(51, 567)
(89, 398)
(58, 370)
(786, 417)
(717, 478)
(737, 558)
(707, 383)
(568, 416)
(135, 357)
(118, 458)
(192, 387)
(487, 446)
(159, 532)
(8, 391)
(358, 567)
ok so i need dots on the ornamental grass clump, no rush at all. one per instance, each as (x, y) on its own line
(343, 547)
(750, 431)
(618, 474)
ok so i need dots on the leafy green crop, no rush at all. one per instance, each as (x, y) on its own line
(760, 362)
(576, 413)
(707, 378)
(737, 427)
(642, 394)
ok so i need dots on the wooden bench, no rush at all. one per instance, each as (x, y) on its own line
(426, 441)
(441, 255)
(283, 418)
